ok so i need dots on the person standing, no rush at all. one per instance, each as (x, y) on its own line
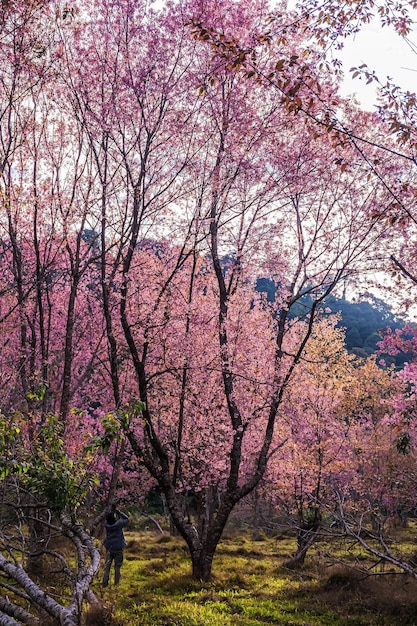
(114, 543)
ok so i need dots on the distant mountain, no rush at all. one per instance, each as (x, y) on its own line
(364, 320)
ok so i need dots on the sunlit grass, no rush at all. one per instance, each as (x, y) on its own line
(251, 587)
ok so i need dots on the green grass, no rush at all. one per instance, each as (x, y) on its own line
(252, 587)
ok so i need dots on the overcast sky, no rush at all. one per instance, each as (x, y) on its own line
(386, 53)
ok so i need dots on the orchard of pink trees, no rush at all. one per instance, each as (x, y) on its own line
(154, 163)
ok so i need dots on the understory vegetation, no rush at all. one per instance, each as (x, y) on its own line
(252, 585)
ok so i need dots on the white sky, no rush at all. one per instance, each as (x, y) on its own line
(382, 50)
(386, 53)
(390, 56)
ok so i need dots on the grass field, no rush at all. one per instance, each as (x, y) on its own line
(252, 587)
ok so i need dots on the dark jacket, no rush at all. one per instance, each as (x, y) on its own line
(115, 539)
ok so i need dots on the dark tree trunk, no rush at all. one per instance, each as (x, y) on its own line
(305, 539)
(256, 515)
(202, 562)
(307, 532)
(38, 538)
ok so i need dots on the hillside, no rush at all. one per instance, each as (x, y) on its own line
(363, 320)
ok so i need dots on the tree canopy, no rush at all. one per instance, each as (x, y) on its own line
(184, 194)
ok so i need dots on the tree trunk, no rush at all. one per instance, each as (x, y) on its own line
(307, 532)
(87, 566)
(305, 539)
(202, 561)
(256, 516)
(37, 540)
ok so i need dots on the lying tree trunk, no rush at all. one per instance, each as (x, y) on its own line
(23, 586)
(8, 621)
(7, 609)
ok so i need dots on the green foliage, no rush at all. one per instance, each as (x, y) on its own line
(112, 431)
(114, 424)
(39, 460)
(38, 393)
(10, 433)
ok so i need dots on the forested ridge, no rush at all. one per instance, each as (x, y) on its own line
(364, 320)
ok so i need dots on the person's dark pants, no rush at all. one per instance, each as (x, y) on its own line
(117, 557)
